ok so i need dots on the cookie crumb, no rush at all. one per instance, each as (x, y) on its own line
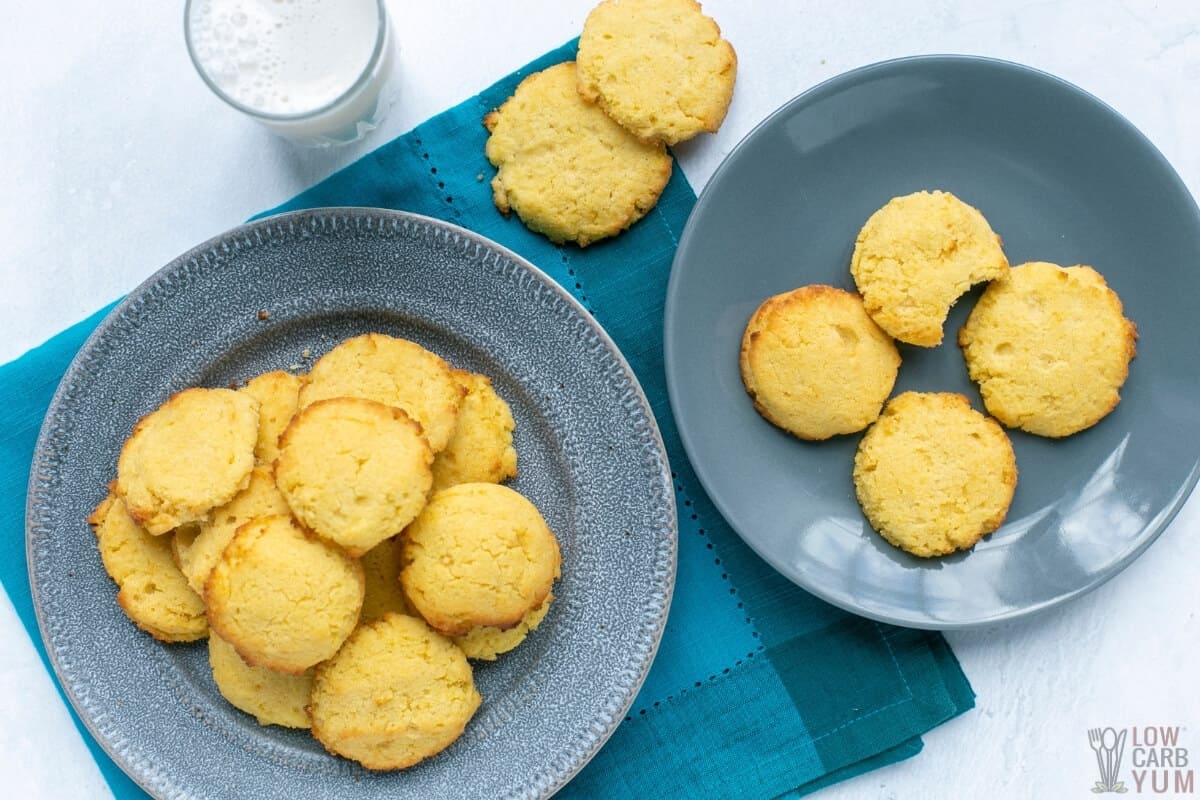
(264, 315)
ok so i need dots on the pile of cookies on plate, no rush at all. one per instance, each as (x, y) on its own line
(581, 147)
(1048, 346)
(343, 539)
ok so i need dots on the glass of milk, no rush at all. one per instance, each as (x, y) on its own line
(309, 70)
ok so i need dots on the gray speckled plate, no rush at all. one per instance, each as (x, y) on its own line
(589, 453)
(1062, 178)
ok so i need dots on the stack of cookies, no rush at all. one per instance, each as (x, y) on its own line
(343, 540)
(1049, 347)
(581, 148)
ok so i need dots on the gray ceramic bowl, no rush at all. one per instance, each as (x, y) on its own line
(590, 458)
(1062, 178)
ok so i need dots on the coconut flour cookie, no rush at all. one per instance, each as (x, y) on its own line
(916, 256)
(658, 67)
(816, 364)
(479, 554)
(273, 698)
(284, 599)
(381, 569)
(392, 371)
(193, 453)
(485, 643)
(1049, 347)
(354, 471)
(278, 395)
(481, 449)
(395, 694)
(933, 475)
(567, 169)
(151, 590)
(198, 548)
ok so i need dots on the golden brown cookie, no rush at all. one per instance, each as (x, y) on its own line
(481, 449)
(479, 554)
(815, 363)
(278, 396)
(395, 372)
(150, 588)
(354, 471)
(658, 67)
(485, 643)
(395, 694)
(916, 256)
(198, 547)
(1050, 348)
(284, 599)
(273, 698)
(933, 475)
(381, 569)
(190, 455)
(567, 169)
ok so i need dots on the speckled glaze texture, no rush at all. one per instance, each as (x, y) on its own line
(1061, 177)
(277, 294)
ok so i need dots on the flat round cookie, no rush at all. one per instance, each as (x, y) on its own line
(485, 643)
(565, 167)
(273, 698)
(658, 67)
(198, 548)
(381, 569)
(354, 471)
(933, 475)
(916, 256)
(481, 449)
(190, 455)
(150, 588)
(395, 694)
(815, 363)
(284, 599)
(278, 396)
(392, 371)
(479, 554)
(1050, 348)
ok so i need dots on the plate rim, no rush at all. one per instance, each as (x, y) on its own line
(666, 545)
(832, 85)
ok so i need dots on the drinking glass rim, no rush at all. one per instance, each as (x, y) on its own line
(381, 35)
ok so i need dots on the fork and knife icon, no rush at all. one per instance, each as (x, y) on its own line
(1109, 746)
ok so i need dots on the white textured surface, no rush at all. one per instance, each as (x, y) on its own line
(116, 159)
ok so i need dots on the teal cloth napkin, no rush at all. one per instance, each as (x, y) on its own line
(759, 690)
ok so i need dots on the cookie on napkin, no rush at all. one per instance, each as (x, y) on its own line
(565, 167)
(658, 67)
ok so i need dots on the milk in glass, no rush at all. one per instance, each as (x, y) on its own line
(311, 70)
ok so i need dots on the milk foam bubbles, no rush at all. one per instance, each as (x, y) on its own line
(290, 59)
